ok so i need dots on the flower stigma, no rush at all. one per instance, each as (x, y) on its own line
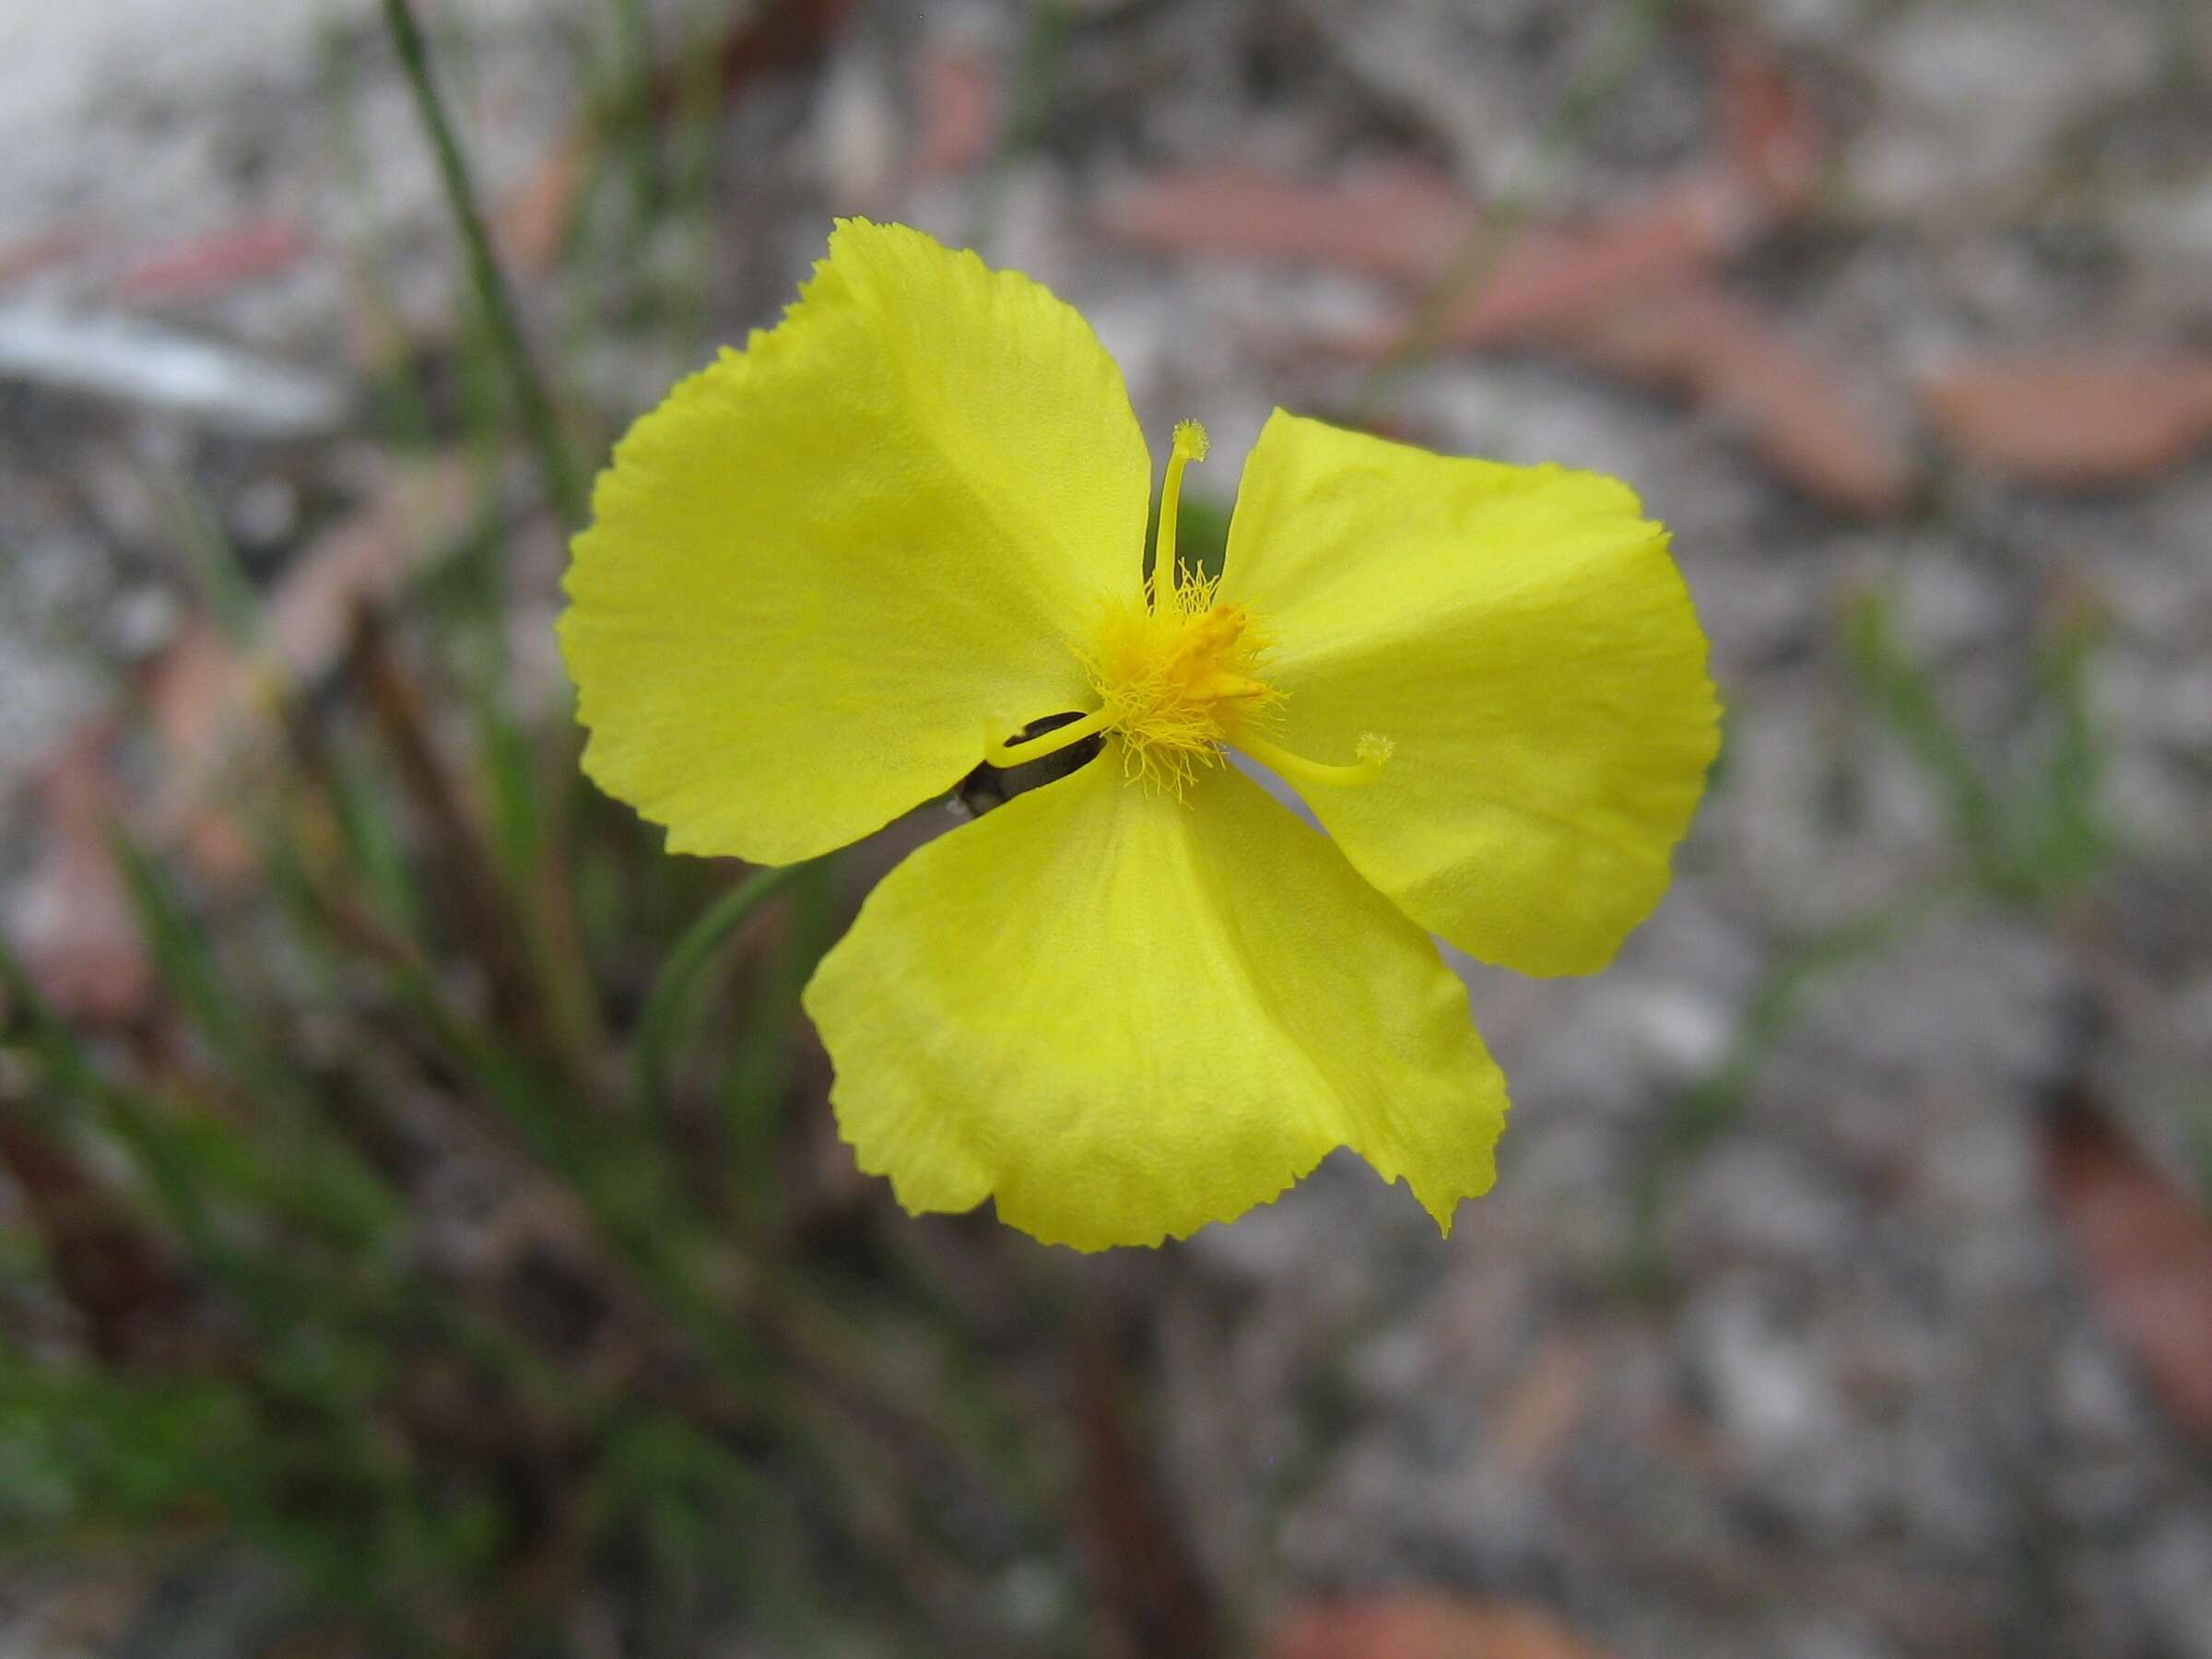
(1178, 673)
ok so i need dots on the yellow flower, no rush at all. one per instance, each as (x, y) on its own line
(831, 574)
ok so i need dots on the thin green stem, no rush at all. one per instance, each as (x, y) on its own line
(1701, 1113)
(664, 1003)
(635, 101)
(533, 405)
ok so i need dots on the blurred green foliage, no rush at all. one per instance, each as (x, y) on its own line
(657, 1361)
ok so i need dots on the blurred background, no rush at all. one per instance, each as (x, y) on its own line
(422, 1227)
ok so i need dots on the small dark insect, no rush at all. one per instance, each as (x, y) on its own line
(989, 786)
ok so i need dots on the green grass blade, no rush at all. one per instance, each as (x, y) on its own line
(659, 1022)
(533, 403)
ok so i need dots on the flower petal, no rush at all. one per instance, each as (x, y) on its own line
(1522, 637)
(820, 567)
(1124, 1017)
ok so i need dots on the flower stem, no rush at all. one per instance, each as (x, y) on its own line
(534, 406)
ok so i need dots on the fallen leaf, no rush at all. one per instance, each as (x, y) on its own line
(1539, 1413)
(188, 689)
(366, 559)
(38, 253)
(2081, 421)
(1769, 136)
(1403, 225)
(1696, 341)
(958, 100)
(532, 224)
(80, 937)
(209, 264)
(2146, 1246)
(1420, 1626)
(1410, 226)
(1633, 293)
(209, 704)
(1557, 280)
(762, 39)
(1722, 353)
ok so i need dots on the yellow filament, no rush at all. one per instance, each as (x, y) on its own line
(1050, 743)
(1373, 752)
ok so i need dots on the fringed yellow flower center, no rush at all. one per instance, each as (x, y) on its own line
(1178, 679)
(1178, 674)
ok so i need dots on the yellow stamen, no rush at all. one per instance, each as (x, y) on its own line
(1191, 444)
(1051, 743)
(1182, 677)
(1373, 751)
(1178, 679)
